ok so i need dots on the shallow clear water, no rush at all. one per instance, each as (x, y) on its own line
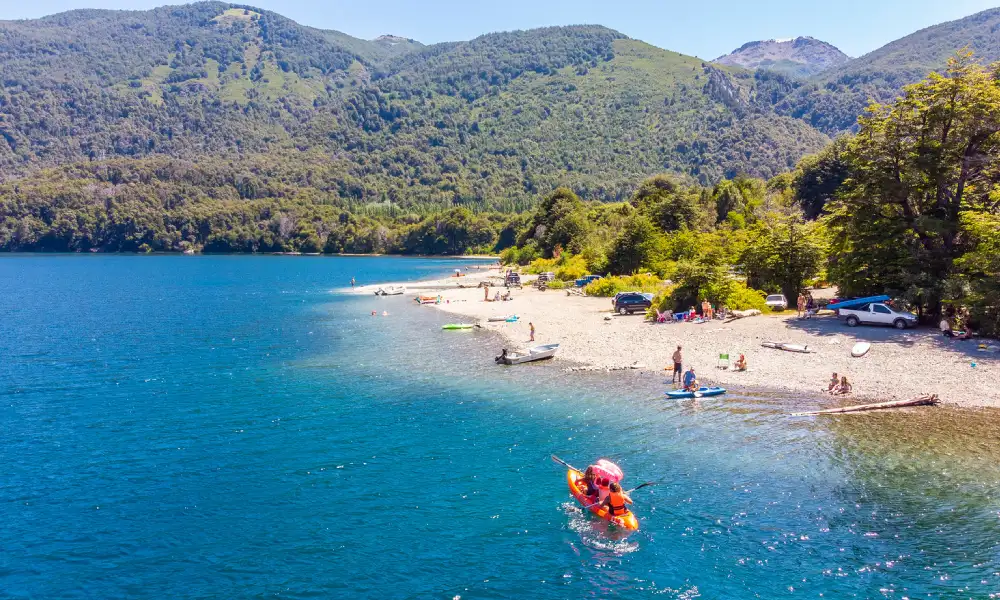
(234, 426)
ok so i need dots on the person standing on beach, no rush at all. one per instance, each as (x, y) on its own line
(486, 296)
(532, 329)
(800, 304)
(352, 283)
(678, 369)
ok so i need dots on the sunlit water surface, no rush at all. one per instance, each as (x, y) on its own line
(235, 426)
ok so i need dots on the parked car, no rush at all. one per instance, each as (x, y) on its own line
(630, 302)
(776, 301)
(878, 313)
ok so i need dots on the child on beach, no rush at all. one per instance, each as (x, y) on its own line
(834, 383)
(845, 386)
(531, 326)
(741, 363)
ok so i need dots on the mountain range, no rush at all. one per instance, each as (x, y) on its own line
(493, 122)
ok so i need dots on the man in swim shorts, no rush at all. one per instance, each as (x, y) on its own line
(678, 370)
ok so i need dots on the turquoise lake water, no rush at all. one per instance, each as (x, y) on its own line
(214, 426)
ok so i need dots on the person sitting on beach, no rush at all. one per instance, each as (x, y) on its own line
(945, 327)
(500, 359)
(616, 500)
(834, 384)
(741, 363)
(496, 297)
(690, 380)
(845, 386)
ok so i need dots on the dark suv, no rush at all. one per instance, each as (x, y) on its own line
(631, 302)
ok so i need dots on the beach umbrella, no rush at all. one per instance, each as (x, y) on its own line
(608, 470)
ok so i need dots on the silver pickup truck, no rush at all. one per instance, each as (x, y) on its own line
(878, 313)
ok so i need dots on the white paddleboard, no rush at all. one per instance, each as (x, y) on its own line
(860, 349)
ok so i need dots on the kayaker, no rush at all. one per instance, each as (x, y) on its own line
(616, 500)
(589, 483)
(690, 380)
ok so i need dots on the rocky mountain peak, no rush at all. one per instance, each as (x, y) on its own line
(801, 56)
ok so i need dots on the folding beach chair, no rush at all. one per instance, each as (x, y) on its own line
(723, 362)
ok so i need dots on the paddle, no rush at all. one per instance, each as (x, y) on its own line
(638, 487)
(565, 464)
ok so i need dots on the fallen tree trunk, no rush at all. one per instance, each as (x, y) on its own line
(926, 400)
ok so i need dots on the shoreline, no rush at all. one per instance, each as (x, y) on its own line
(900, 364)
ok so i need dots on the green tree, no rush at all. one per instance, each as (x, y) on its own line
(916, 166)
(667, 204)
(818, 177)
(782, 253)
(634, 248)
(980, 269)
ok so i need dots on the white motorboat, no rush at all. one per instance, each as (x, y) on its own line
(530, 355)
(390, 290)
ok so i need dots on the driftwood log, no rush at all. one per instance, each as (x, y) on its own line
(925, 400)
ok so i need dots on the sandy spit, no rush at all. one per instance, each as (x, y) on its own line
(900, 364)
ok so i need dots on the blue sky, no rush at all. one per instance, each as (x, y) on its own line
(704, 29)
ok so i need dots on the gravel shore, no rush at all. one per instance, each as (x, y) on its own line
(900, 364)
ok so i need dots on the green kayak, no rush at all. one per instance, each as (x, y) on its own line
(458, 326)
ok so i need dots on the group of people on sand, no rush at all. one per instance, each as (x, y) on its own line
(955, 332)
(839, 385)
(688, 378)
(603, 492)
(496, 297)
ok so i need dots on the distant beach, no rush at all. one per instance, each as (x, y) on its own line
(900, 364)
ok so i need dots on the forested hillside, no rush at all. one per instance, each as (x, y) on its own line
(492, 120)
(224, 127)
(833, 100)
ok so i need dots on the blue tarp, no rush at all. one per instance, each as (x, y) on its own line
(857, 302)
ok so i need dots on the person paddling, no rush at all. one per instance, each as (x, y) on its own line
(616, 500)
(690, 380)
(589, 483)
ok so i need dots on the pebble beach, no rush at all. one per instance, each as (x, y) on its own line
(900, 364)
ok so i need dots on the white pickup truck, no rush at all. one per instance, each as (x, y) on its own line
(878, 313)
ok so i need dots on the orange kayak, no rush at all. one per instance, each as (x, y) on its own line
(628, 520)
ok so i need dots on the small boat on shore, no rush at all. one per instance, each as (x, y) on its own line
(455, 326)
(427, 299)
(530, 355)
(390, 290)
(701, 393)
(860, 349)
